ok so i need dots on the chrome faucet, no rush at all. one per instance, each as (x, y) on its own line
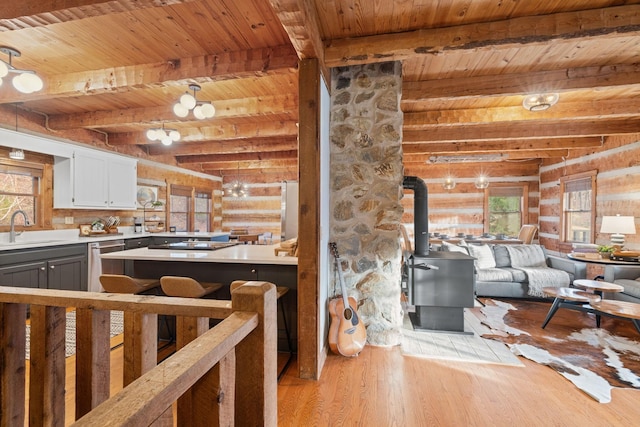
(12, 232)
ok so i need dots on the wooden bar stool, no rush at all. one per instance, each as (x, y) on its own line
(186, 287)
(280, 292)
(122, 284)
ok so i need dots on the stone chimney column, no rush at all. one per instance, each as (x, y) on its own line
(366, 187)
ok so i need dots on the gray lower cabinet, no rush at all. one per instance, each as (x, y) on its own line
(138, 242)
(54, 267)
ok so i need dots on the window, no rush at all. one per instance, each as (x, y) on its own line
(506, 208)
(578, 207)
(180, 203)
(202, 211)
(20, 190)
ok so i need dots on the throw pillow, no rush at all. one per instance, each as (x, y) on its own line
(454, 248)
(502, 256)
(483, 255)
(526, 256)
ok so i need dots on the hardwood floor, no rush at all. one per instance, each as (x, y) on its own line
(381, 387)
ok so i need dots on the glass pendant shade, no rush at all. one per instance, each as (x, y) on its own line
(180, 110)
(4, 70)
(188, 101)
(449, 183)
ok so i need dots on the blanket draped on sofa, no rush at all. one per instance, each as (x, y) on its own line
(531, 260)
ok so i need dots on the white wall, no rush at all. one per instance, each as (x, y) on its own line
(324, 267)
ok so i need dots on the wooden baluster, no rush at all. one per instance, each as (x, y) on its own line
(187, 330)
(47, 372)
(92, 359)
(12, 363)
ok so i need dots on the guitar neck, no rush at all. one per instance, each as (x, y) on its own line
(343, 287)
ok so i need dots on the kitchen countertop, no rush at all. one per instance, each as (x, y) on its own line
(242, 254)
(37, 239)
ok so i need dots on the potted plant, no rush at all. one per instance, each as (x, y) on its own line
(605, 251)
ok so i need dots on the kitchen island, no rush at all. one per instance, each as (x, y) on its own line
(236, 262)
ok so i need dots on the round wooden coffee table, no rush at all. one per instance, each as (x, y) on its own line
(597, 286)
(572, 298)
(623, 309)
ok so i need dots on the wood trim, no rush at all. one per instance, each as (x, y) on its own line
(309, 215)
(582, 175)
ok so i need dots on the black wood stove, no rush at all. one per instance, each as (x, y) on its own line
(439, 284)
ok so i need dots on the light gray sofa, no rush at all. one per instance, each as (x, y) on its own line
(506, 281)
(628, 276)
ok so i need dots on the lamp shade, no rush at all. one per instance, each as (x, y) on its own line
(618, 225)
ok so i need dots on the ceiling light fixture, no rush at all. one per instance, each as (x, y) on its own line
(467, 158)
(482, 182)
(238, 189)
(166, 136)
(540, 102)
(26, 81)
(187, 102)
(449, 183)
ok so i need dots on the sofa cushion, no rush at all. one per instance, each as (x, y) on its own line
(483, 255)
(502, 256)
(631, 287)
(455, 248)
(526, 256)
(494, 275)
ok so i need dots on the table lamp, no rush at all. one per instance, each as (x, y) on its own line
(618, 226)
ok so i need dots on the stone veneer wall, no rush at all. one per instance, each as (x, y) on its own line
(366, 188)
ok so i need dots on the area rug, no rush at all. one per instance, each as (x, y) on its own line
(117, 328)
(594, 359)
(468, 347)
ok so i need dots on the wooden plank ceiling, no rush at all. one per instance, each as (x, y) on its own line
(117, 67)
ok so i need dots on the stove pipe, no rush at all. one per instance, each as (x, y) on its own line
(420, 213)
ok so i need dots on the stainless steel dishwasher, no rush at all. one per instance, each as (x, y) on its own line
(98, 266)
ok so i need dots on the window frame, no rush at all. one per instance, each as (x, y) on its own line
(524, 208)
(181, 191)
(37, 172)
(592, 175)
(203, 194)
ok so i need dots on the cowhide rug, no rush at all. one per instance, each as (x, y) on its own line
(595, 360)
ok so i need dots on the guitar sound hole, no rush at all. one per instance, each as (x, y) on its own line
(348, 314)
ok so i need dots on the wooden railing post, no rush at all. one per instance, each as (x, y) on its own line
(47, 366)
(256, 357)
(92, 367)
(12, 364)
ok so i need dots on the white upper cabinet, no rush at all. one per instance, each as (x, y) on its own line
(95, 180)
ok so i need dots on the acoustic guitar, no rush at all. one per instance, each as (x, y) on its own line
(347, 334)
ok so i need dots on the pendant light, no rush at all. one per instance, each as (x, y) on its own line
(188, 102)
(166, 136)
(25, 81)
(238, 189)
(540, 102)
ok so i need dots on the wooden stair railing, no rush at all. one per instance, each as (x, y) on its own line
(216, 377)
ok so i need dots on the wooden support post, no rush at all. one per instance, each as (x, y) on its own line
(12, 364)
(187, 330)
(141, 352)
(256, 356)
(92, 359)
(47, 366)
(213, 395)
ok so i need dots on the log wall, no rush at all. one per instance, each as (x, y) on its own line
(617, 163)
(461, 210)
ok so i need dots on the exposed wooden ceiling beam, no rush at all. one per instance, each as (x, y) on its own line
(515, 32)
(300, 20)
(524, 130)
(525, 83)
(240, 157)
(37, 13)
(231, 146)
(250, 164)
(206, 132)
(505, 155)
(244, 107)
(171, 73)
(500, 146)
(614, 108)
